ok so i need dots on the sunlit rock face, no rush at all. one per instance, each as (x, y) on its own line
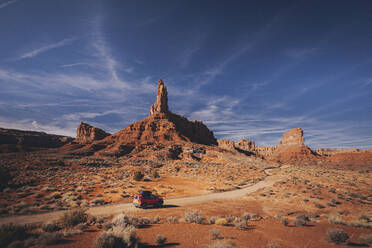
(87, 133)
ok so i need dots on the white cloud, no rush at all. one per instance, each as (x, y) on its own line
(3, 5)
(46, 48)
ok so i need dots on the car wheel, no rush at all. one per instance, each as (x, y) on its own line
(143, 205)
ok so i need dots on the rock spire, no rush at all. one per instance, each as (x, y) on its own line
(161, 104)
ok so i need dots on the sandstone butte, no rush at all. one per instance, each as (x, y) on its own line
(160, 127)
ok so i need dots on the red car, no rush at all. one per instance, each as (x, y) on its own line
(146, 198)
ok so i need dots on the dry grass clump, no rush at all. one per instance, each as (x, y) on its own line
(124, 220)
(337, 236)
(172, 220)
(117, 237)
(160, 239)
(301, 220)
(73, 217)
(193, 216)
(215, 233)
(272, 245)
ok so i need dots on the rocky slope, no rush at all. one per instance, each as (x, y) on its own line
(12, 140)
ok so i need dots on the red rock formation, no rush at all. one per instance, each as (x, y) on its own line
(265, 151)
(292, 147)
(161, 104)
(246, 145)
(293, 137)
(162, 126)
(86, 133)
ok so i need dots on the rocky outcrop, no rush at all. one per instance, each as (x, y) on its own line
(12, 140)
(265, 151)
(292, 137)
(291, 148)
(87, 133)
(161, 127)
(226, 144)
(245, 146)
(161, 104)
(333, 151)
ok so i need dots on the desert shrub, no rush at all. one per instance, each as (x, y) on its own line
(221, 221)
(50, 227)
(285, 221)
(156, 219)
(106, 225)
(300, 220)
(10, 233)
(160, 239)
(212, 220)
(74, 217)
(144, 221)
(337, 236)
(177, 168)
(272, 245)
(335, 219)
(366, 239)
(230, 219)
(172, 220)
(49, 239)
(107, 240)
(246, 216)
(193, 216)
(123, 220)
(155, 174)
(256, 217)
(364, 218)
(137, 176)
(215, 233)
(127, 235)
(241, 224)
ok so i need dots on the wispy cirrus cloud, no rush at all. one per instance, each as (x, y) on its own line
(46, 48)
(3, 5)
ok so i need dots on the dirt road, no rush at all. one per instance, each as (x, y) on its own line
(119, 208)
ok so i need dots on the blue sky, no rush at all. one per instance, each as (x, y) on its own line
(248, 69)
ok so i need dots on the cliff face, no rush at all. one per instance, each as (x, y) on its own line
(86, 133)
(12, 140)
